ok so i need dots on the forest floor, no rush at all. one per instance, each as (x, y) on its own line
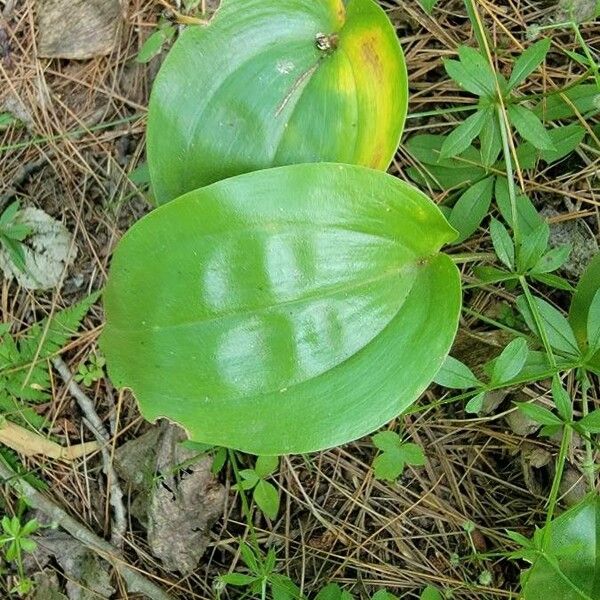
(81, 136)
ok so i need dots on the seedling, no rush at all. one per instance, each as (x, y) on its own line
(394, 455)
(264, 493)
(261, 576)
(15, 540)
(92, 371)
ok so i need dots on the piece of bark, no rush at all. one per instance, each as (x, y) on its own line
(78, 29)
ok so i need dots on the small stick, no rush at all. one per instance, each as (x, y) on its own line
(95, 425)
(29, 443)
(136, 581)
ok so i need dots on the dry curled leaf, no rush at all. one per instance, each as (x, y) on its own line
(178, 499)
(49, 250)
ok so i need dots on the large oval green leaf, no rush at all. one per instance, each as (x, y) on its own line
(285, 310)
(276, 82)
(569, 568)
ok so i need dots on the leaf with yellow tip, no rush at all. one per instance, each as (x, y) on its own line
(276, 82)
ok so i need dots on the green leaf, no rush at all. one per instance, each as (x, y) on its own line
(443, 173)
(582, 98)
(528, 62)
(503, 244)
(530, 127)
(30, 527)
(283, 328)
(428, 5)
(395, 454)
(14, 250)
(253, 89)
(431, 593)
(475, 404)
(532, 248)
(591, 422)
(565, 140)
(267, 498)
(9, 213)
(511, 362)
(493, 275)
(553, 281)
(387, 441)
(151, 47)
(332, 591)
(283, 588)
(456, 375)
(585, 292)
(237, 579)
(471, 208)
(569, 567)
(28, 545)
(413, 454)
(562, 400)
(593, 325)
(388, 466)
(472, 73)
(249, 479)
(140, 176)
(528, 217)
(560, 334)
(460, 139)
(266, 465)
(250, 559)
(491, 141)
(552, 260)
(539, 414)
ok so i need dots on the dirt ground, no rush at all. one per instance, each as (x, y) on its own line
(84, 134)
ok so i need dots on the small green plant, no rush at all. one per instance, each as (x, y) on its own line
(92, 371)
(165, 31)
(12, 234)
(456, 375)
(265, 494)
(15, 540)
(261, 576)
(563, 555)
(394, 455)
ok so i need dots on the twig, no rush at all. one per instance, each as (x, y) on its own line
(136, 582)
(30, 443)
(95, 425)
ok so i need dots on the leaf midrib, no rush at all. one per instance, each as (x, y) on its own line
(265, 309)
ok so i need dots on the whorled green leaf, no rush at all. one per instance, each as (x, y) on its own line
(443, 173)
(276, 82)
(286, 310)
(528, 62)
(568, 569)
(587, 287)
(581, 99)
